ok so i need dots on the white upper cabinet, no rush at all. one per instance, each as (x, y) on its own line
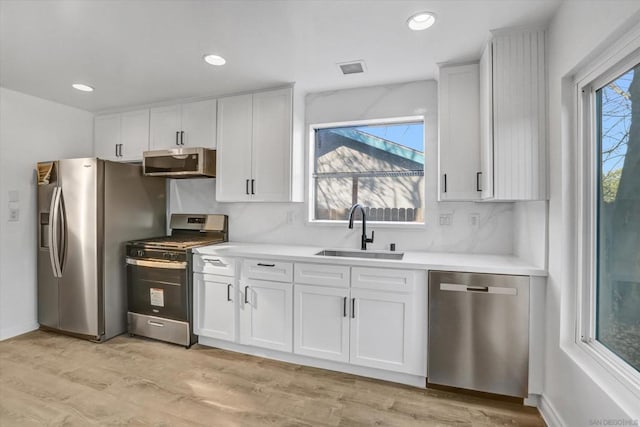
(254, 139)
(122, 137)
(185, 125)
(459, 129)
(513, 117)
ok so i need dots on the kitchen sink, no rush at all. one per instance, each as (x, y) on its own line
(361, 254)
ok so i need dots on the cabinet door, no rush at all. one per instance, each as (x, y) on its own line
(384, 332)
(165, 127)
(459, 142)
(271, 163)
(267, 315)
(107, 134)
(135, 135)
(199, 124)
(215, 306)
(321, 322)
(234, 133)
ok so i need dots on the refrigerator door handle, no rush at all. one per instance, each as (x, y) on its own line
(53, 227)
(62, 238)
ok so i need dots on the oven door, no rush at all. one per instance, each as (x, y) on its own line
(158, 288)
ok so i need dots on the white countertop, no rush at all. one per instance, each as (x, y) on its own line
(497, 264)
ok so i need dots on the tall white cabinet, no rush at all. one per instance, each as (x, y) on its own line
(254, 138)
(459, 132)
(513, 116)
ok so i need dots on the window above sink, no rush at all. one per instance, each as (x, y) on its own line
(379, 164)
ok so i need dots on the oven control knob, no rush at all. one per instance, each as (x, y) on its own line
(140, 252)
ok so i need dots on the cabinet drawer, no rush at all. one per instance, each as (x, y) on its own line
(212, 264)
(262, 269)
(384, 279)
(321, 274)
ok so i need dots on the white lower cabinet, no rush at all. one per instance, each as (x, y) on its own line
(383, 333)
(215, 306)
(321, 322)
(266, 314)
(380, 322)
(359, 316)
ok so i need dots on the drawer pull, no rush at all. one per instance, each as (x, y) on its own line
(478, 288)
(266, 265)
(344, 307)
(213, 261)
(353, 308)
(152, 323)
(246, 294)
(229, 292)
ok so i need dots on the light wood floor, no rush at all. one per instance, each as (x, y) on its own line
(51, 379)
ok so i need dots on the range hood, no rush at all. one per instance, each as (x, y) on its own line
(180, 163)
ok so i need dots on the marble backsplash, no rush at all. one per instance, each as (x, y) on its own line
(287, 223)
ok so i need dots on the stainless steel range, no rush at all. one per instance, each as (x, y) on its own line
(159, 277)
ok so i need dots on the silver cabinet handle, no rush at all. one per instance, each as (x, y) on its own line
(229, 292)
(181, 137)
(177, 134)
(261, 264)
(445, 182)
(253, 181)
(344, 307)
(246, 294)
(353, 308)
(478, 174)
(246, 187)
(116, 145)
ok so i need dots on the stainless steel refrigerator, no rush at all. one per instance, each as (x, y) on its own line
(87, 210)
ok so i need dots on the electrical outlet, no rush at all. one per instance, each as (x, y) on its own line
(474, 220)
(291, 217)
(446, 219)
(14, 214)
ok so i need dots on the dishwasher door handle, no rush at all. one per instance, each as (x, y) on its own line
(500, 290)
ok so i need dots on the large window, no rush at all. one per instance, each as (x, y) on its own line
(617, 277)
(380, 166)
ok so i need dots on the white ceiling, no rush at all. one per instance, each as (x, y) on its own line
(141, 51)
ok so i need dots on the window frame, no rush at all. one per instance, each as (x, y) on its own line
(311, 168)
(587, 175)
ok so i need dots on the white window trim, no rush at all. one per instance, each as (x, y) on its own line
(616, 61)
(310, 168)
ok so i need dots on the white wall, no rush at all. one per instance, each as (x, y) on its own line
(286, 222)
(577, 390)
(31, 130)
(530, 232)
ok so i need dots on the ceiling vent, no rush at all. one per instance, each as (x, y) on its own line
(352, 67)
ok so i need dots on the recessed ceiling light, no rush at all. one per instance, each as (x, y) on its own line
(215, 60)
(421, 21)
(84, 88)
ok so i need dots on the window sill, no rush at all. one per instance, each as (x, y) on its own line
(608, 372)
(370, 224)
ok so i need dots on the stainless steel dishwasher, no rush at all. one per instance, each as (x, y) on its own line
(479, 332)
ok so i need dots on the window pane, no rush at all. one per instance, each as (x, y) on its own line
(379, 166)
(618, 266)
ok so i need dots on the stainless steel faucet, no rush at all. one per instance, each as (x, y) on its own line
(364, 238)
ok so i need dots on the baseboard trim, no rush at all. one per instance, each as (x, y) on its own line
(396, 377)
(14, 331)
(549, 413)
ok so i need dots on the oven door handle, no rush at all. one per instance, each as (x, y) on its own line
(157, 264)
